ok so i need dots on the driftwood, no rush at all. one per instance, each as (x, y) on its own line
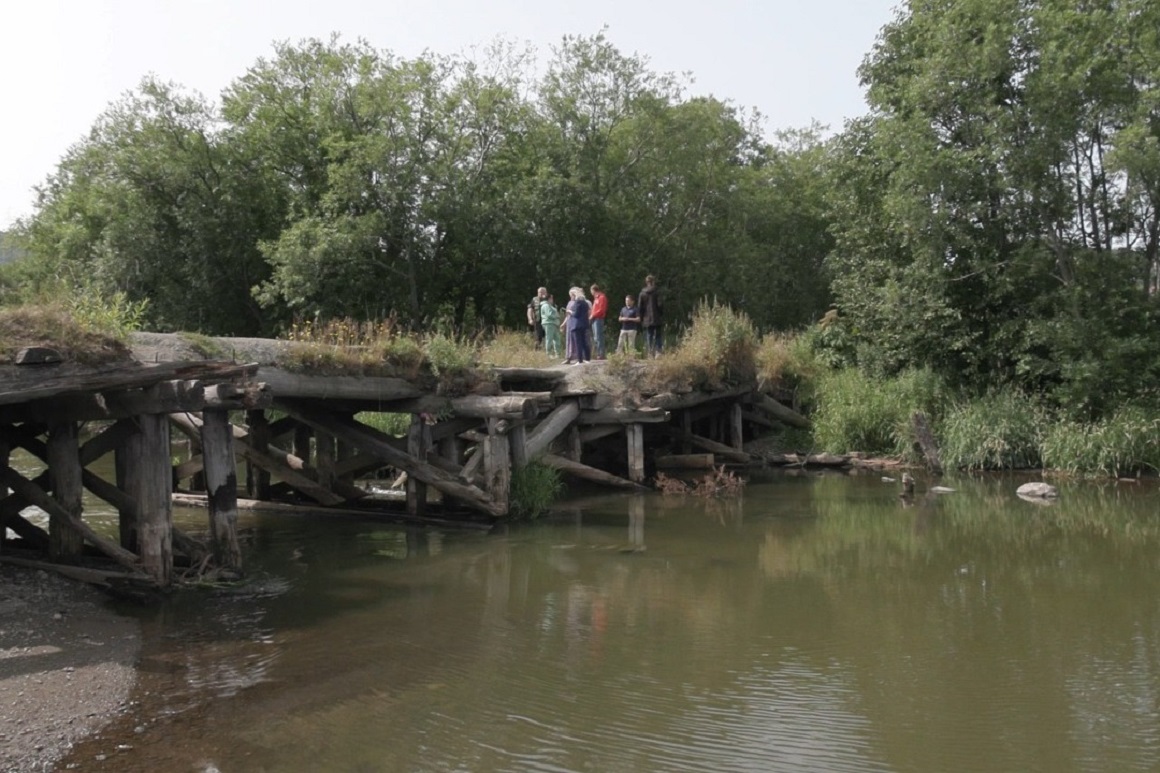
(926, 442)
(780, 412)
(589, 473)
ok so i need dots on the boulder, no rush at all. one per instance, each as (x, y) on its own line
(1040, 489)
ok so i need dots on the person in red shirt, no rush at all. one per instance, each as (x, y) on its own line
(596, 318)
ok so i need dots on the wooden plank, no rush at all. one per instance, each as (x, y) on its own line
(64, 467)
(221, 481)
(22, 385)
(376, 443)
(589, 473)
(106, 441)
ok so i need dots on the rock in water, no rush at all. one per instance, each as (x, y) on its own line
(1044, 490)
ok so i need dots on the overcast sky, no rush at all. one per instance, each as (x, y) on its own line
(63, 61)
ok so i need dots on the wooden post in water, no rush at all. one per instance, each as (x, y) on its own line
(574, 445)
(221, 478)
(497, 465)
(125, 477)
(325, 453)
(635, 433)
(151, 487)
(518, 437)
(417, 444)
(736, 427)
(300, 446)
(197, 481)
(64, 467)
(258, 484)
(687, 431)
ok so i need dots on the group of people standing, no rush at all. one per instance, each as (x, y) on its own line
(583, 322)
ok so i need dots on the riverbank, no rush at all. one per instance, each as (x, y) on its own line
(67, 665)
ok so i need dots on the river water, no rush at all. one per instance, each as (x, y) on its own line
(819, 623)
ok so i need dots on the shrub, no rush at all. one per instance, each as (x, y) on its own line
(449, 356)
(534, 488)
(787, 361)
(858, 413)
(1000, 431)
(1126, 442)
(717, 349)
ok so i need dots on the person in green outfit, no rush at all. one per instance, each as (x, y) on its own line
(550, 321)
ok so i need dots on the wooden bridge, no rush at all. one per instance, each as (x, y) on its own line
(304, 446)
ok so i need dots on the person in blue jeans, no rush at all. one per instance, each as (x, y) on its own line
(629, 324)
(577, 325)
(596, 320)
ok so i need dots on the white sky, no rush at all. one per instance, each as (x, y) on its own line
(63, 61)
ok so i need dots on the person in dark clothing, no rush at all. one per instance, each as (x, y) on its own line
(651, 316)
(534, 317)
(577, 324)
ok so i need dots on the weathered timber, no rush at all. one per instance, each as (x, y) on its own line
(573, 448)
(474, 406)
(105, 441)
(189, 467)
(586, 472)
(686, 461)
(163, 397)
(35, 495)
(257, 481)
(624, 416)
(497, 466)
(720, 449)
(325, 451)
(760, 419)
(780, 412)
(926, 442)
(233, 397)
(221, 482)
(101, 577)
(22, 385)
(286, 466)
(635, 436)
(376, 443)
(672, 401)
(63, 458)
(451, 427)
(592, 434)
(516, 375)
(418, 442)
(736, 427)
(518, 438)
(152, 486)
(542, 435)
(687, 432)
(372, 389)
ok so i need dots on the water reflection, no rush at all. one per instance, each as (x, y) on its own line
(819, 624)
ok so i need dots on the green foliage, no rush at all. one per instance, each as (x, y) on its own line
(856, 412)
(534, 488)
(789, 362)
(449, 356)
(53, 326)
(1000, 431)
(717, 349)
(393, 424)
(1126, 442)
(112, 314)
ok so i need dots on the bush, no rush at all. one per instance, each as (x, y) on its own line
(858, 413)
(787, 361)
(1125, 443)
(997, 432)
(449, 356)
(718, 349)
(534, 488)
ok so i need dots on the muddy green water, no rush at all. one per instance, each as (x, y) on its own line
(819, 624)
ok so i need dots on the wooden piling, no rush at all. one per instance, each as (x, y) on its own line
(258, 483)
(65, 542)
(497, 465)
(418, 437)
(635, 434)
(736, 427)
(221, 479)
(150, 455)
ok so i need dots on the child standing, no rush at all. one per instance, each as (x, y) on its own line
(629, 324)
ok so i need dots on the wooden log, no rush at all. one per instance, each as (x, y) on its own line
(592, 434)
(63, 458)
(189, 468)
(589, 473)
(149, 450)
(624, 416)
(258, 483)
(248, 397)
(518, 438)
(35, 495)
(375, 389)
(720, 449)
(926, 442)
(325, 451)
(686, 462)
(163, 397)
(550, 428)
(635, 434)
(221, 480)
(515, 375)
(106, 441)
(497, 465)
(781, 412)
(452, 427)
(736, 427)
(378, 515)
(671, 401)
(753, 417)
(29, 384)
(451, 449)
(377, 444)
(418, 441)
(575, 449)
(301, 445)
(474, 406)
(820, 460)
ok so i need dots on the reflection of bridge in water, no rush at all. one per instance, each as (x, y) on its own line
(304, 447)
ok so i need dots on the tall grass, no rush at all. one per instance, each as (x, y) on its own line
(856, 412)
(1127, 442)
(534, 488)
(718, 349)
(82, 324)
(1000, 431)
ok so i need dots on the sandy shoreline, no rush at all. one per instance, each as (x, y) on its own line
(67, 665)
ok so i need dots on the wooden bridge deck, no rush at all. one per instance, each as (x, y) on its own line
(303, 444)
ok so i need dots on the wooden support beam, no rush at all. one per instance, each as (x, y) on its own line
(781, 412)
(575, 449)
(221, 480)
(736, 427)
(258, 481)
(760, 419)
(301, 446)
(163, 397)
(64, 467)
(592, 434)
(518, 438)
(325, 450)
(377, 389)
(589, 473)
(106, 441)
(475, 406)
(720, 449)
(687, 431)
(376, 443)
(624, 416)
(497, 465)
(418, 442)
(35, 495)
(686, 462)
(670, 401)
(635, 433)
(550, 428)
(151, 489)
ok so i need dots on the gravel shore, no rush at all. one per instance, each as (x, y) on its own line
(66, 666)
